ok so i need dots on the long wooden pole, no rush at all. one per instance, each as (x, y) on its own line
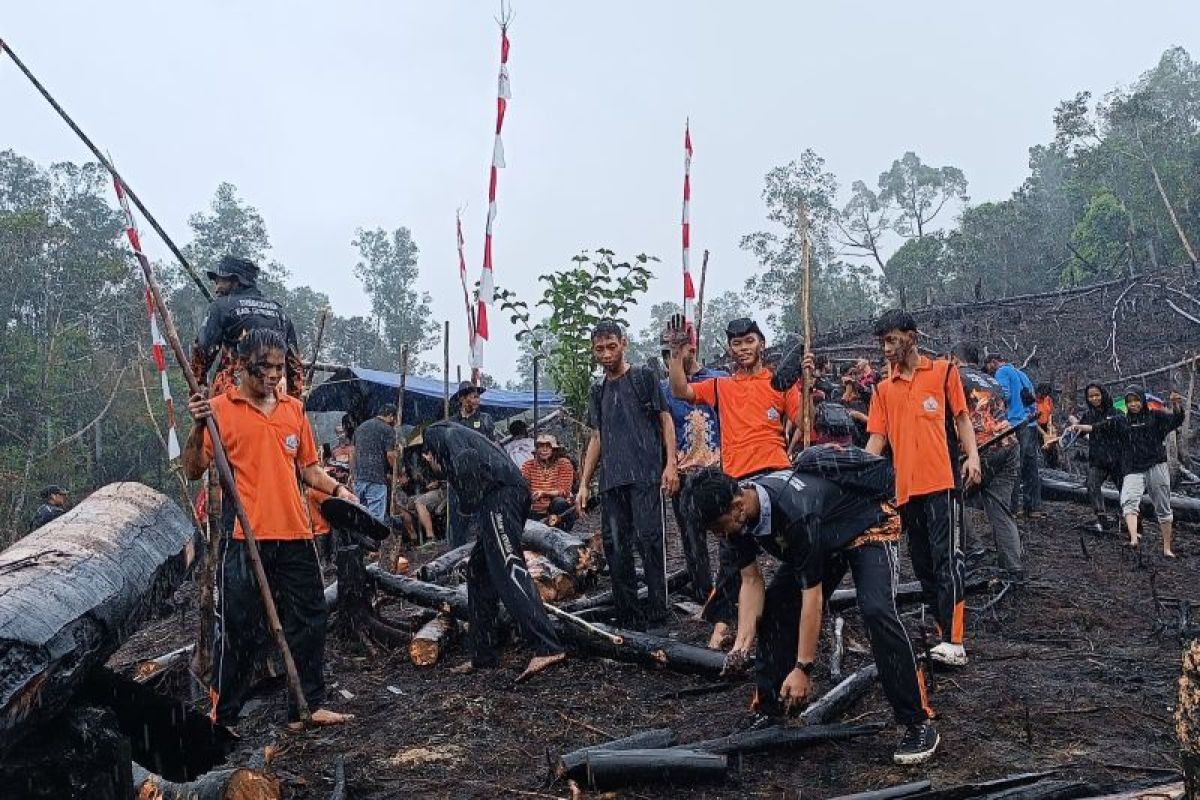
(104, 162)
(312, 365)
(700, 306)
(399, 445)
(231, 494)
(806, 316)
(446, 372)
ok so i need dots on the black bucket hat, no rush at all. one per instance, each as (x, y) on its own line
(242, 269)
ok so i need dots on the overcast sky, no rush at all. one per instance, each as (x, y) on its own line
(329, 116)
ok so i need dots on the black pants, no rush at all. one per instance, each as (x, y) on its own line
(1027, 494)
(631, 519)
(241, 636)
(496, 572)
(874, 567)
(563, 510)
(932, 524)
(1097, 474)
(721, 605)
(695, 553)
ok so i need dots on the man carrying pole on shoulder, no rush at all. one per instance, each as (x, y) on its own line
(267, 440)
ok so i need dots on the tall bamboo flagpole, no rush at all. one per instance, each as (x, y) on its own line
(806, 315)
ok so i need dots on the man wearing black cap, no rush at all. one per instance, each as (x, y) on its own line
(54, 505)
(469, 414)
(240, 307)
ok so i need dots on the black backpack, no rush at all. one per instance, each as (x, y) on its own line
(833, 419)
(850, 468)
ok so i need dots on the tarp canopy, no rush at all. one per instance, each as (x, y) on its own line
(362, 392)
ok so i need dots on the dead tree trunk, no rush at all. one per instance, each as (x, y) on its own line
(430, 643)
(429, 595)
(608, 769)
(81, 755)
(572, 764)
(890, 793)
(569, 553)
(642, 648)
(837, 700)
(437, 569)
(1187, 718)
(675, 581)
(782, 736)
(220, 784)
(75, 589)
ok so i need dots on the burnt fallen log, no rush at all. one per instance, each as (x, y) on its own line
(890, 793)
(569, 553)
(552, 583)
(81, 755)
(989, 788)
(1168, 791)
(1046, 790)
(571, 765)
(435, 570)
(644, 648)
(837, 700)
(909, 592)
(782, 736)
(1058, 485)
(675, 581)
(75, 589)
(220, 784)
(609, 769)
(429, 595)
(430, 643)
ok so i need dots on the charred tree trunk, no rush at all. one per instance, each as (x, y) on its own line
(569, 553)
(433, 640)
(1187, 718)
(221, 784)
(356, 619)
(81, 755)
(675, 581)
(837, 700)
(572, 764)
(1058, 485)
(608, 769)
(783, 736)
(439, 598)
(439, 568)
(73, 592)
(890, 793)
(642, 648)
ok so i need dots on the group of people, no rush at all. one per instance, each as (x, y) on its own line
(890, 455)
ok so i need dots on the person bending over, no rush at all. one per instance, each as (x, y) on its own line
(494, 502)
(817, 530)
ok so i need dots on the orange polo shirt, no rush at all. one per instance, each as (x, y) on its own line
(911, 413)
(752, 416)
(264, 452)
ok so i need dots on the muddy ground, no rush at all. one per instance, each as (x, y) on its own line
(1075, 672)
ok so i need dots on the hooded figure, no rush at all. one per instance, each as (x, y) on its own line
(238, 308)
(1107, 447)
(493, 502)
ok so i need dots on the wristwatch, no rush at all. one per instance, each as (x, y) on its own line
(805, 666)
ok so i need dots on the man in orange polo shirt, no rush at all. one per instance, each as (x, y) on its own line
(911, 411)
(267, 439)
(752, 416)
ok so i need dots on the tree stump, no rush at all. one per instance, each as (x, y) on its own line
(1187, 719)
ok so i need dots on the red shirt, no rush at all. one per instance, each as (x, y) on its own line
(557, 477)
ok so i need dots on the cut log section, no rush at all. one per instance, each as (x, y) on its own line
(642, 648)
(571, 765)
(1169, 791)
(430, 643)
(569, 553)
(1059, 485)
(890, 793)
(782, 736)
(675, 581)
(837, 700)
(151, 668)
(429, 595)
(221, 784)
(72, 591)
(552, 583)
(609, 769)
(436, 570)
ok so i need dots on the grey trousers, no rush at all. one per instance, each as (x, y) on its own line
(995, 497)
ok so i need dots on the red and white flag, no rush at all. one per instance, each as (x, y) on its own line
(462, 276)
(158, 345)
(487, 288)
(689, 289)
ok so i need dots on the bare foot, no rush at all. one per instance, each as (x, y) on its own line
(1169, 554)
(721, 637)
(320, 718)
(539, 663)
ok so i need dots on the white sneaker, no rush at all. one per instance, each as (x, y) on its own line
(952, 655)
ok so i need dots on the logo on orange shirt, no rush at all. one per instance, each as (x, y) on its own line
(772, 415)
(930, 404)
(292, 443)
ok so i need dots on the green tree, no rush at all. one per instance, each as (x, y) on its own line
(919, 192)
(387, 267)
(916, 270)
(718, 310)
(595, 287)
(863, 223)
(1100, 241)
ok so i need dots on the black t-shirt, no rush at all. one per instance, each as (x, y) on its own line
(803, 520)
(372, 441)
(626, 412)
(480, 422)
(475, 466)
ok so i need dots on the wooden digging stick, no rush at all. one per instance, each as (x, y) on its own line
(582, 623)
(221, 460)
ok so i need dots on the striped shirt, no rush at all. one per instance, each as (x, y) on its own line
(556, 478)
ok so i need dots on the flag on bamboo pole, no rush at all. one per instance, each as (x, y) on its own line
(158, 345)
(462, 278)
(487, 288)
(689, 288)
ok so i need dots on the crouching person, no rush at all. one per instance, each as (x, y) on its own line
(551, 477)
(268, 440)
(493, 502)
(817, 530)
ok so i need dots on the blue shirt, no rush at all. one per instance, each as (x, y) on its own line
(1012, 381)
(697, 428)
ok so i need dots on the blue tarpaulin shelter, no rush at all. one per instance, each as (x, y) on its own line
(362, 392)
